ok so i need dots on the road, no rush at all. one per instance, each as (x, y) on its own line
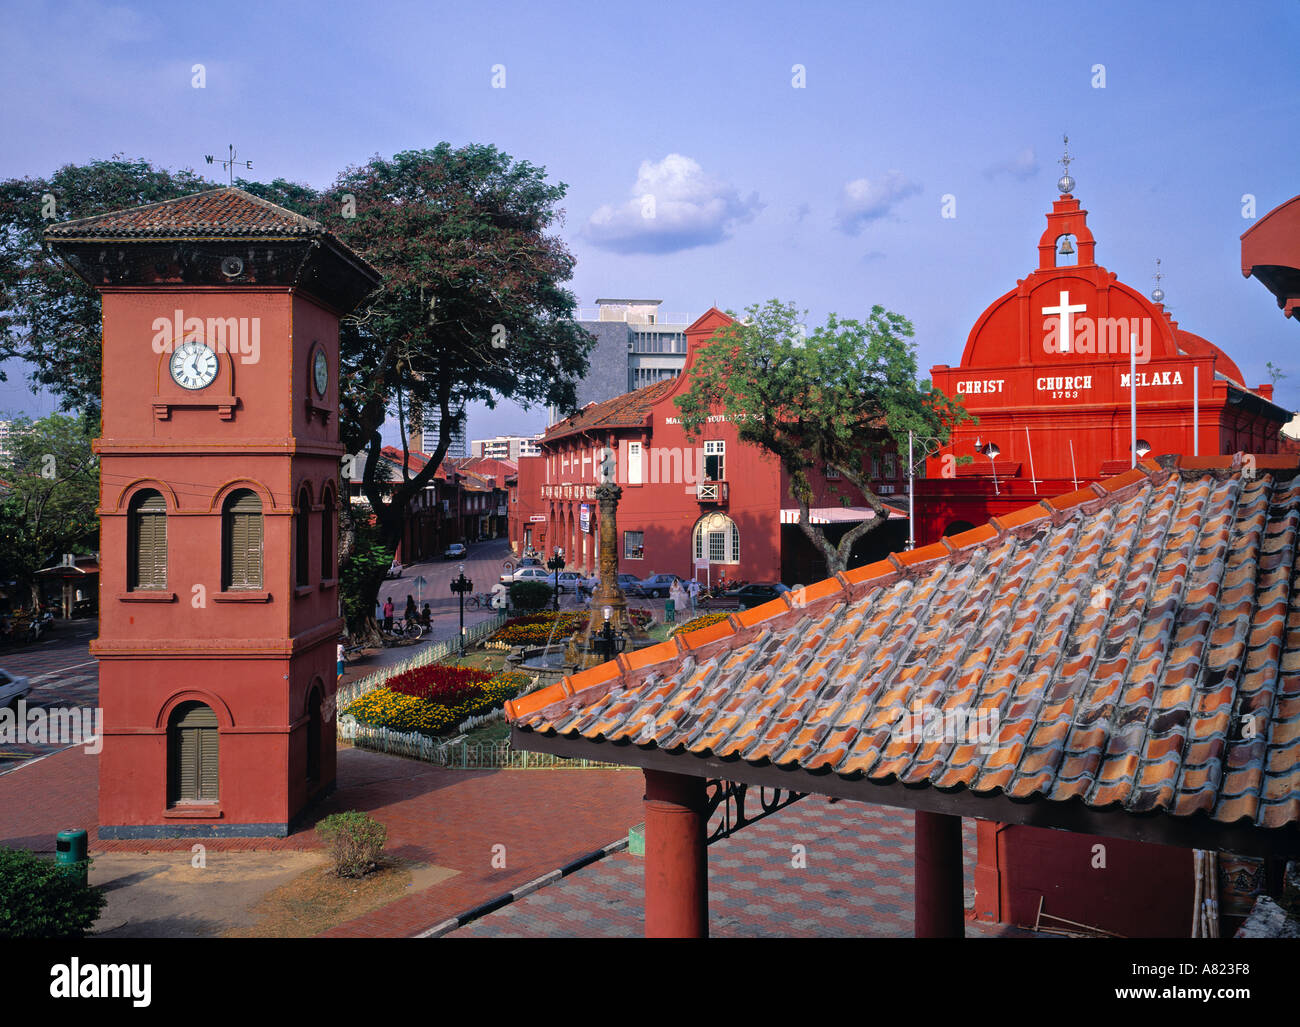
(62, 675)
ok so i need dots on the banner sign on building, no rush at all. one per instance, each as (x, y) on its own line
(584, 517)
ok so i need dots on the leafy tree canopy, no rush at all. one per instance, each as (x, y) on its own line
(49, 495)
(830, 397)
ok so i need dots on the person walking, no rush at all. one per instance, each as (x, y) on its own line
(694, 591)
(388, 614)
(410, 614)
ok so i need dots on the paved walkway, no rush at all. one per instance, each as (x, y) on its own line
(543, 819)
(856, 882)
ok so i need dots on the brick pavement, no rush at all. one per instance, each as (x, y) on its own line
(451, 818)
(857, 883)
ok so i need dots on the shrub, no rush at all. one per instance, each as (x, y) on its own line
(41, 899)
(529, 595)
(354, 840)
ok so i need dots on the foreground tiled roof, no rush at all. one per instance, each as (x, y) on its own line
(1139, 640)
(215, 212)
(626, 411)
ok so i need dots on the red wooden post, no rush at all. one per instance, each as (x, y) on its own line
(676, 857)
(940, 907)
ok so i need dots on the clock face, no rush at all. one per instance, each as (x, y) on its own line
(322, 372)
(193, 365)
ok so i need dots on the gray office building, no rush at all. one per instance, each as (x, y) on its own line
(636, 345)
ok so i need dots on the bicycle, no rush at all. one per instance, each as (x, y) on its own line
(404, 631)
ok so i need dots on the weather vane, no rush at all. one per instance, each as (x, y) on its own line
(230, 164)
(1065, 183)
(1158, 294)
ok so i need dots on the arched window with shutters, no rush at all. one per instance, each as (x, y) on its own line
(717, 538)
(327, 543)
(302, 538)
(146, 542)
(192, 754)
(241, 521)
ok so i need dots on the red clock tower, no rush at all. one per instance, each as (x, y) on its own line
(219, 460)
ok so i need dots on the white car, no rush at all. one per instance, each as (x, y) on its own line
(529, 574)
(12, 689)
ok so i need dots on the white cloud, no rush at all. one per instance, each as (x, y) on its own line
(1022, 166)
(674, 206)
(866, 200)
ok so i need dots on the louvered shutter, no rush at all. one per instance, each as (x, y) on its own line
(195, 767)
(148, 529)
(244, 542)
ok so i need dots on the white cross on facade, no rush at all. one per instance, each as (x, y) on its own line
(1066, 313)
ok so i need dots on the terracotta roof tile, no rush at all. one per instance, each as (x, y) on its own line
(1138, 649)
(626, 411)
(225, 211)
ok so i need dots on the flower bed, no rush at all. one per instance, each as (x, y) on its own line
(444, 700)
(702, 621)
(536, 628)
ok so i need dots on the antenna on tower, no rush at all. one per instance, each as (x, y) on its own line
(1065, 183)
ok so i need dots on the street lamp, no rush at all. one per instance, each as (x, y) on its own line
(990, 450)
(610, 643)
(460, 586)
(556, 564)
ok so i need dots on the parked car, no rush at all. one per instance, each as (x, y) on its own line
(756, 594)
(455, 551)
(569, 580)
(531, 561)
(394, 571)
(656, 585)
(528, 574)
(12, 689)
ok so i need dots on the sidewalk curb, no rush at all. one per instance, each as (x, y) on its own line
(492, 905)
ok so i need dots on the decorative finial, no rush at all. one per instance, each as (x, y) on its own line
(1158, 294)
(1065, 183)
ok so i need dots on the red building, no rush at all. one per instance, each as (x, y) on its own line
(711, 507)
(219, 466)
(1047, 370)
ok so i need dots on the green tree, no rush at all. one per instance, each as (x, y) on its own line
(48, 315)
(49, 495)
(472, 307)
(832, 397)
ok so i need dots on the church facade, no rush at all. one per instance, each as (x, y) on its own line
(1054, 369)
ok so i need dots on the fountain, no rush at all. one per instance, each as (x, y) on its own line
(608, 605)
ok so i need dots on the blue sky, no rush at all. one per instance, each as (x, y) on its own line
(828, 195)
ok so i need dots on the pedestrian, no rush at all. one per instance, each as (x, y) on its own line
(388, 614)
(426, 616)
(694, 589)
(340, 657)
(410, 614)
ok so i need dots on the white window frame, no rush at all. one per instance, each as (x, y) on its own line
(635, 463)
(717, 448)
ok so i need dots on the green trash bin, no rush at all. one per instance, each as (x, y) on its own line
(70, 850)
(670, 611)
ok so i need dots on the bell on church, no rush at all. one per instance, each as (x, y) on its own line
(1067, 247)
